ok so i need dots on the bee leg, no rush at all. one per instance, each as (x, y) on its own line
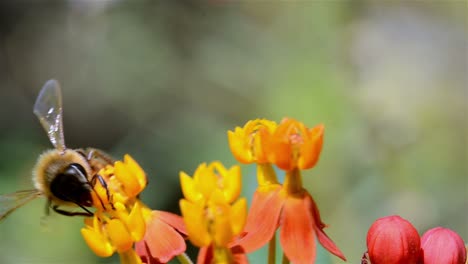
(95, 153)
(68, 213)
(104, 184)
(47, 208)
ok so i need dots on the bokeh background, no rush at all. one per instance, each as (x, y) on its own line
(164, 81)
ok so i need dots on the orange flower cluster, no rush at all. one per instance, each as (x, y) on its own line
(214, 217)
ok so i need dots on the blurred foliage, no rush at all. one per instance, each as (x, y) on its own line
(164, 81)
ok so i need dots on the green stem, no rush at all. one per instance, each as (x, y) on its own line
(285, 259)
(184, 259)
(272, 250)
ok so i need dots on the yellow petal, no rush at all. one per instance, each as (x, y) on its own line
(195, 222)
(129, 257)
(136, 170)
(232, 183)
(206, 180)
(129, 182)
(136, 223)
(217, 197)
(221, 226)
(238, 215)
(119, 235)
(97, 242)
(188, 188)
(238, 146)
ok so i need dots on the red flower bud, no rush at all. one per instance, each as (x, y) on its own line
(393, 240)
(442, 245)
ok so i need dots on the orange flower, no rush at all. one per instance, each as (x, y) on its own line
(249, 144)
(293, 145)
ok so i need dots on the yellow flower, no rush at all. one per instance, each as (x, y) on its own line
(249, 144)
(208, 178)
(211, 210)
(119, 220)
(106, 235)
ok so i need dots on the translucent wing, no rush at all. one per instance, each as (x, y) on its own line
(12, 201)
(48, 108)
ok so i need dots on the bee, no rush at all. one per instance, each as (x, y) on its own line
(66, 177)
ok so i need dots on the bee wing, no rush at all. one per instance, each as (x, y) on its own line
(12, 201)
(48, 108)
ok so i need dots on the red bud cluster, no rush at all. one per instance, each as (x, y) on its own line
(394, 240)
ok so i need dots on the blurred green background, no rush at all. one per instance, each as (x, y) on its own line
(164, 81)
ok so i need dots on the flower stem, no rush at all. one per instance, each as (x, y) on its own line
(272, 250)
(266, 175)
(285, 259)
(184, 259)
(293, 182)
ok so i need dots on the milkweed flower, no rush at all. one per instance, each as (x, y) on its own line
(250, 143)
(121, 219)
(212, 212)
(292, 147)
(442, 245)
(393, 240)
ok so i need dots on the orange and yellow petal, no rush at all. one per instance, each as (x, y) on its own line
(297, 235)
(239, 146)
(119, 236)
(323, 239)
(189, 188)
(262, 220)
(161, 242)
(229, 180)
(249, 144)
(129, 257)
(211, 177)
(311, 148)
(205, 255)
(131, 185)
(136, 223)
(238, 216)
(136, 170)
(176, 221)
(293, 145)
(220, 228)
(195, 222)
(97, 242)
(206, 180)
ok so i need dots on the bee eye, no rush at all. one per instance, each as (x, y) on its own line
(72, 185)
(74, 167)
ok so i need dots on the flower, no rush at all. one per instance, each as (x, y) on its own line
(206, 179)
(393, 240)
(249, 144)
(292, 147)
(212, 212)
(121, 220)
(442, 245)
